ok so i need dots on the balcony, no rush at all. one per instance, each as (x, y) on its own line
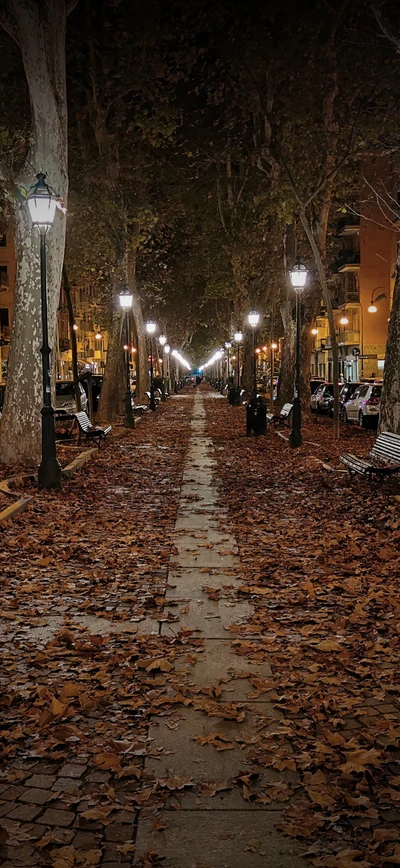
(65, 345)
(347, 260)
(347, 337)
(349, 225)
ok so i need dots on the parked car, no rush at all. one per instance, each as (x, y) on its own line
(346, 390)
(363, 406)
(316, 383)
(319, 402)
(65, 396)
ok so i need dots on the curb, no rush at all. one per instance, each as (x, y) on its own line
(81, 459)
(20, 505)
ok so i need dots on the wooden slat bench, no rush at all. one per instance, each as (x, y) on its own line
(91, 432)
(383, 460)
(281, 418)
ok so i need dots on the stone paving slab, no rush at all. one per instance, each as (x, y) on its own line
(219, 666)
(189, 582)
(241, 840)
(211, 620)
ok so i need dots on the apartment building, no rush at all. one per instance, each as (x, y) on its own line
(363, 278)
(91, 337)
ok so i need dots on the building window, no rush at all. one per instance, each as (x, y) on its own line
(3, 240)
(4, 317)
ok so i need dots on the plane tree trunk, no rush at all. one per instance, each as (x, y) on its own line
(39, 30)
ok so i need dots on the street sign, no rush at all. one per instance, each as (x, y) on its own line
(356, 352)
(369, 356)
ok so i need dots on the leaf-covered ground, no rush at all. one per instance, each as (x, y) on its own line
(84, 667)
(321, 563)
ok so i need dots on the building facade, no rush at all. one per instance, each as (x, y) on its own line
(363, 281)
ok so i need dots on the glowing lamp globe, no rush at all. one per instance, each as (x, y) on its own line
(298, 275)
(150, 327)
(253, 318)
(125, 298)
(42, 204)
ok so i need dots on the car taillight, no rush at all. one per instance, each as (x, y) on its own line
(373, 401)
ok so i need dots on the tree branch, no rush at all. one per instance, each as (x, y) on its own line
(385, 25)
(8, 22)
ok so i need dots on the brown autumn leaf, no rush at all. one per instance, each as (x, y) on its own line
(107, 761)
(386, 834)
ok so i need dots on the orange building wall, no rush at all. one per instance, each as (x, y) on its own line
(378, 254)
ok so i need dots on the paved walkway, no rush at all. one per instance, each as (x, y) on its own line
(226, 822)
(120, 679)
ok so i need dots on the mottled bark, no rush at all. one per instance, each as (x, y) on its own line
(288, 316)
(286, 373)
(390, 401)
(72, 334)
(39, 30)
(142, 366)
(112, 393)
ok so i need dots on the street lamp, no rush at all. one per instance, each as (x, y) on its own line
(125, 300)
(238, 337)
(150, 328)
(167, 350)
(42, 204)
(254, 319)
(373, 308)
(298, 277)
(274, 347)
(228, 347)
(162, 340)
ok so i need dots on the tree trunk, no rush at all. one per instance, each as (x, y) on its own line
(332, 331)
(390, 401)
(142, 365)
(72, 332)
(39, 30)
(286, 373)
(288, 316)
(112, 393)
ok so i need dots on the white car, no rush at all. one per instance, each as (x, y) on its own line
(364, 405)
(65, 396)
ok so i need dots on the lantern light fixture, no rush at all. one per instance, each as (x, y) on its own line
(298, 275)
(253, 318)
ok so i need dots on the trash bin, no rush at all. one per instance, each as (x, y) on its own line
(234, 396)
(256, 417)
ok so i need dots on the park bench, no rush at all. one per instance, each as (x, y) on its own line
(91, 432)
(281, 418)
(157, 396)
(383, 460)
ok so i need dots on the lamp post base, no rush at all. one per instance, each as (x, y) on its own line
(152, 403)
(49, 473)
(295, 436)
(128, 420)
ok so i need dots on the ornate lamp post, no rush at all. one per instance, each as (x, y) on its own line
(228, 347)
(167, 350)
(274, 347)
(298, 277)
(162, 340)
(125, 300)
(42, 203)
(254, 319)
(150, 328)
(238, 337)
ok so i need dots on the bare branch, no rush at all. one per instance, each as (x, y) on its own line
(385, 25)
(8, 22)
